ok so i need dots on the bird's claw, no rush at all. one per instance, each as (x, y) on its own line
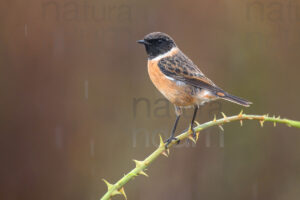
(194, 133)
(192, 129)
(169, 140)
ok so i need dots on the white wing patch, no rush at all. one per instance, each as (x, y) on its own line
(179, 83)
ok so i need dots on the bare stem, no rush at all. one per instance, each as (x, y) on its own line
(117, 188)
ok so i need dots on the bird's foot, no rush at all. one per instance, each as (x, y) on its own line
(193, 132)
(170, 140)
(194, 135)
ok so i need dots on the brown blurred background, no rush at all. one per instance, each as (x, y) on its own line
(77, 104)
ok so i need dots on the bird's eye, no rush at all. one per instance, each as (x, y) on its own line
(160, 41)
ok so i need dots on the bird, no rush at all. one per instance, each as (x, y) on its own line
(180, 80)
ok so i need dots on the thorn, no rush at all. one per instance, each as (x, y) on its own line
(135, 175)
(215, 118)
(165, 153)
(221, 127)
(196, 123)
(261, 123)
(115, 192)
(190, 137)
(225, 117)
(241, 113)
(143, 173)
(122, 191)
(161, 142)
(138, 163)
(190, 128)
(109, 186)
(197, 136)
(278, 117)
(241, 122)
(168, 151)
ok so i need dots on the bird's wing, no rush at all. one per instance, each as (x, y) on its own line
(181, 68)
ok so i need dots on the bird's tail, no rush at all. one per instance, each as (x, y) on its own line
(234, 99)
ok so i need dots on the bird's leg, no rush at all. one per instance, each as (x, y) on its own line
(193, 120)
(178, 112)
(171, 138)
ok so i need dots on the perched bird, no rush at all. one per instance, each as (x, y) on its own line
(179, 79)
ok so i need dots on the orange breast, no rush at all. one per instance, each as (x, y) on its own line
(178, 94)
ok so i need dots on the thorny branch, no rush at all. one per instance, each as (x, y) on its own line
(141, 166)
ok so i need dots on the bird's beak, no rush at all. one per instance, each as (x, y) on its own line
(142, 42)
